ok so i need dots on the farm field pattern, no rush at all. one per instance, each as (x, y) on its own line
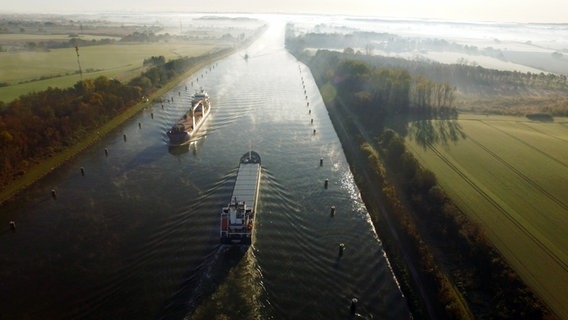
(511, 175)
(113, 61)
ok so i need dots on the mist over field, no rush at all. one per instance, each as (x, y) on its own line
(522, 47)
(519, 47)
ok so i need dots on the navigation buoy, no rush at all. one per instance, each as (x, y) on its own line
(341, 249)
(82, 171)
(53, 194)
(13, 225)
(353, 307)
(332, 211)
(321, 162)
(326, 183)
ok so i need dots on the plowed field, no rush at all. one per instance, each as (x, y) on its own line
(511, 175)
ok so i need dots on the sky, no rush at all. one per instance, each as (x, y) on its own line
(543, 11)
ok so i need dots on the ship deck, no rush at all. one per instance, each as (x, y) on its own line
(246, 186)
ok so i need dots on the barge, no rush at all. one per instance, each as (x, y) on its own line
(237, 218)
(186, 127)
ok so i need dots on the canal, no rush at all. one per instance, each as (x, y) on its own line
(137, 236)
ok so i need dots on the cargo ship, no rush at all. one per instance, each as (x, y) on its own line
(186, 127)
(237, 218)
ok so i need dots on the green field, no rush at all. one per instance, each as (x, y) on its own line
(31, 57)
(59, 66)
(511, 175)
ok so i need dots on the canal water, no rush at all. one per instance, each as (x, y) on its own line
(137, 236)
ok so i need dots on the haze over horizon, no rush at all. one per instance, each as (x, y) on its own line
(543, 11)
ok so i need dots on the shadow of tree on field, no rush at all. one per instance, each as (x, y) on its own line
(441, 131)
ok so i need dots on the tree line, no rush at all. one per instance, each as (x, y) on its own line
(40, 124)
(381, 92)
(478, 273)
(57, 44)
(163, 72)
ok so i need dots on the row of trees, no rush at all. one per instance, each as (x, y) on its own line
(145, 36)
(478, 270)
(487, 90)
(57, 44)
(76, 40)
(369, 41)
(37, 125)
(446, 301)
(163, 72)
(381, 93)
(154, 61)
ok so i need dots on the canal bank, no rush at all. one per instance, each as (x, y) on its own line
(352, 136)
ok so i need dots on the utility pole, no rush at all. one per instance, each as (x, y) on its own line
(79, 62)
